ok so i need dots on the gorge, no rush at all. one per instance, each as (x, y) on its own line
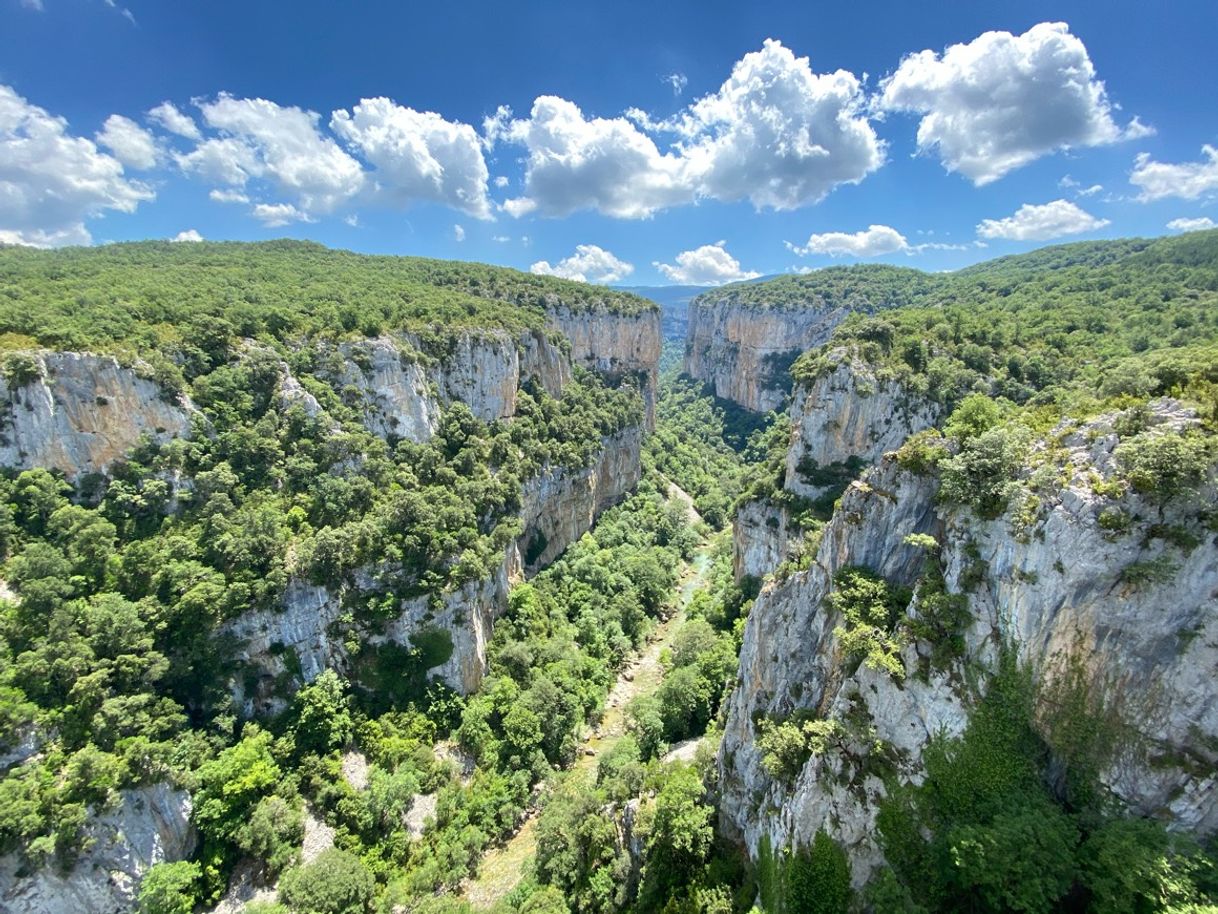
(419, 516)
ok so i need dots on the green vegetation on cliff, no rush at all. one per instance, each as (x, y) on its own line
(130, 298)
(1062, 327)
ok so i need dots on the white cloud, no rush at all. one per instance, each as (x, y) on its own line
(52, 181)
(501, 181)
(589, 263)
(459, 232)
(775, 133)
(168, 116)
(872, 242)
(1200, 224)
(1003, 100)
(187, 235)
(418, 155)
(1041, 223)
(228, 196)
(1186, 180)
(501, 239)
(675, 81)
(778, 134)
(575, 163)
(262, 140)
(131, 144)
(36, 6)
(709, 265)
(275, 214)
(352, 220)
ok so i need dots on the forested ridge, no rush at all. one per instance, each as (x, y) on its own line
(117, 589)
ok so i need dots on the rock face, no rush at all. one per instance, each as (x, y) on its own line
(760, 539)
(560, 505)
(616, 345)
(848, 412)
(842, 421)
(151, 825)
(1054, 583)
(402, 396)
(81, 413)
(744, 351)
(306, 636)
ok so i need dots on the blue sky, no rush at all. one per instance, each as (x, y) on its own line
(647, 143)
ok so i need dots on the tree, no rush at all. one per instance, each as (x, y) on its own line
(323, 715)
(335, 883)
(169, 888)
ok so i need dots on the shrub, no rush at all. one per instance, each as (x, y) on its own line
(169, 888)
(983, 474)
(1165, 465)
(870, 608)
(335, 883)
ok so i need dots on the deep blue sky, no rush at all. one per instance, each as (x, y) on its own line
(83, 60)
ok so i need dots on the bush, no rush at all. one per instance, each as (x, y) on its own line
(335, 883)
(170, 888)
(983, 474)
(1165, 465)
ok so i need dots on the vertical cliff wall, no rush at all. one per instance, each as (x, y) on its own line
(80, 413)
(1050, 579)
(616, 345)
(744, 351)
(150, 825)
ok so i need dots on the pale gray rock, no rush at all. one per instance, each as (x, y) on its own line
(150, 825)
(82, 413)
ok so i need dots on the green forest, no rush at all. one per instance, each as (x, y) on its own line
(580, 777)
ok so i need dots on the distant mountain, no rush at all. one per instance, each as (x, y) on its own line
(674, 305)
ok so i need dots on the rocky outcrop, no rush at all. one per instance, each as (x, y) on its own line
(308, 633)
(616, 345)
(1048, 578)
(847, 413)
(150, 825)
(402, 393)
(745, 351)
(559, 505)
(761, 538)
(80, 413)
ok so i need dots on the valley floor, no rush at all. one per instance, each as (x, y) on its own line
(503, 867)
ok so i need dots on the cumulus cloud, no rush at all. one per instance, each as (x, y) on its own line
(871, 242)
(273, 215)
(575, 162)
(187, 235)
(283, 145)
(418, 155)
(1200, 224)
(775, 133)
(1003, 100)
(1186, 180)
(459, 232)
(501, 181)
(52, 181)
(1041, 223)
(709, 265)
(169, 117)
(589, 263)
(778, 134)
(131, 144)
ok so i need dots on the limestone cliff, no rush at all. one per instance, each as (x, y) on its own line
(150, 825)
(616, 345)
(761, 539)
(80, 413)
(848, 413)
(1049, 578)
(309, 632)
(744, 351)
